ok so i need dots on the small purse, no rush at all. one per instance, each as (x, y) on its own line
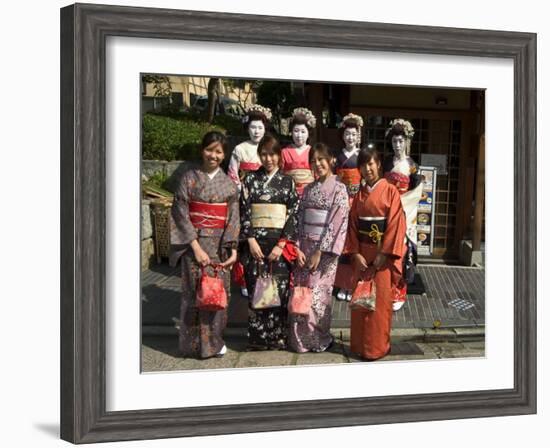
(301, 299)
(266, 294)
(211, 295)
(364, 295)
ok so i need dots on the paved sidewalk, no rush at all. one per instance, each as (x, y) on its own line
(454, 298)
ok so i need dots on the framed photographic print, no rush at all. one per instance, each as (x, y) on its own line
(111, 56)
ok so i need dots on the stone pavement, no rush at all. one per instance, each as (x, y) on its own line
(447, 320)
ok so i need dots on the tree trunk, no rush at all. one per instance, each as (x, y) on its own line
(212, 97)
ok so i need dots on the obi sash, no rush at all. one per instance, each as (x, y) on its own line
(401, 181)
(314, 221)
(302, 176)
(271, 216)
(249, 166)
(208, 216)
(349, 176)
(371, 229)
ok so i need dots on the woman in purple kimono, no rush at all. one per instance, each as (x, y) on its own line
(322, 225)
(204, 230)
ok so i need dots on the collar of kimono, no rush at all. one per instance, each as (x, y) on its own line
(371, 189)
(348, 154)
(213, 173)
(270, 176)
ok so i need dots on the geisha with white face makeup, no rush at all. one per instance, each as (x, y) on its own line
(300, 135)
(402, 171)
(256, 131)
(351, 138)
(296, 156)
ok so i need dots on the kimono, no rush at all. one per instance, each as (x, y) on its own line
(348, 172)
(269, 209)
(296, 164)
(322, 224)
(404, 175)
(377, 224)
(196, 215)
(244, 159)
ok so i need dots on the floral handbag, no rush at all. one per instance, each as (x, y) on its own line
(364, 295)
(301, 299)
(266, 294)
(211, 295)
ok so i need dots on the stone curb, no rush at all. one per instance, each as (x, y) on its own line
(454, 334)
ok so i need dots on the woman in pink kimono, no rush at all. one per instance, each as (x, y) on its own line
(296, 156)
(204, 230)
(322, 225)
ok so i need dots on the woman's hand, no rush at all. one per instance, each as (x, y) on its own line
(230, 261)
(359, 262)
(255, 249)
(379, 261)
(275, 253)
(314, 260)
(301, 258)
(201, 256)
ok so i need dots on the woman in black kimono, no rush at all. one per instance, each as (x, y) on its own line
(269, 210)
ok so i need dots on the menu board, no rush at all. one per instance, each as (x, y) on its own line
(425, 219)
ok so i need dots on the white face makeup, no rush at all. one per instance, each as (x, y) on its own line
(399, 145)
(256, 130)
(300, 135)
(351, 138)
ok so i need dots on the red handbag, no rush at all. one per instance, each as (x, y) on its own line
(211, 295)
(364, 295)
(301, 299)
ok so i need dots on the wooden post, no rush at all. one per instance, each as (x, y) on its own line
(479, 196)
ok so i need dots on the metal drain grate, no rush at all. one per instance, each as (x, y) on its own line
(461, 304)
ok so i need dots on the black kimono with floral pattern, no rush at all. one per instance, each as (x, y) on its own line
(268, 328)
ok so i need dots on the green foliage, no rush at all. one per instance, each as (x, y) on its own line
(278, 96)
(177, 136)
(158, 179)
(161, 84)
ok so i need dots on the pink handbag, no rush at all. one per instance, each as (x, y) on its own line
(301, 299)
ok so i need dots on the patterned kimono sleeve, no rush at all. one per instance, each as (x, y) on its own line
(245, 209)
(301, 218)
(233, 169)
(352, 239)
(231, 233)
(290, 229)
(182, 232)
(394, 236)
(333, 237)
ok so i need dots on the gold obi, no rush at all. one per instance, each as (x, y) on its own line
(272, 216)
(301, 176)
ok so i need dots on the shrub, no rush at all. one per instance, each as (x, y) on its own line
(178, 136)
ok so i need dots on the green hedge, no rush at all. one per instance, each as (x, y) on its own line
(179, 137)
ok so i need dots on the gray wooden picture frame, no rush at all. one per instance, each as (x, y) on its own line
(84, 29)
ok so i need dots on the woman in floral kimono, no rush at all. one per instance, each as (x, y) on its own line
(402, 171)
(375, 243)
(204, 230)
(348, 172)
(269, 208)
(244, 159)
(296, 156)
(322, 227)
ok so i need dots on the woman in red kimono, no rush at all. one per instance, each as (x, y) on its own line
(375, 244)
(296, 156)
(204, 230)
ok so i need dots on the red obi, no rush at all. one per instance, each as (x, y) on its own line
(208, 216)
(401, 181)
(349, 176)
(249, 166)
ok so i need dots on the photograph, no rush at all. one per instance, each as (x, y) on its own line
(271, 207)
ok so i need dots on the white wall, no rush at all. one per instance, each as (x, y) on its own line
(29, 328)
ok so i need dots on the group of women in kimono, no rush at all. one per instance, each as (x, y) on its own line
(307, 217)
